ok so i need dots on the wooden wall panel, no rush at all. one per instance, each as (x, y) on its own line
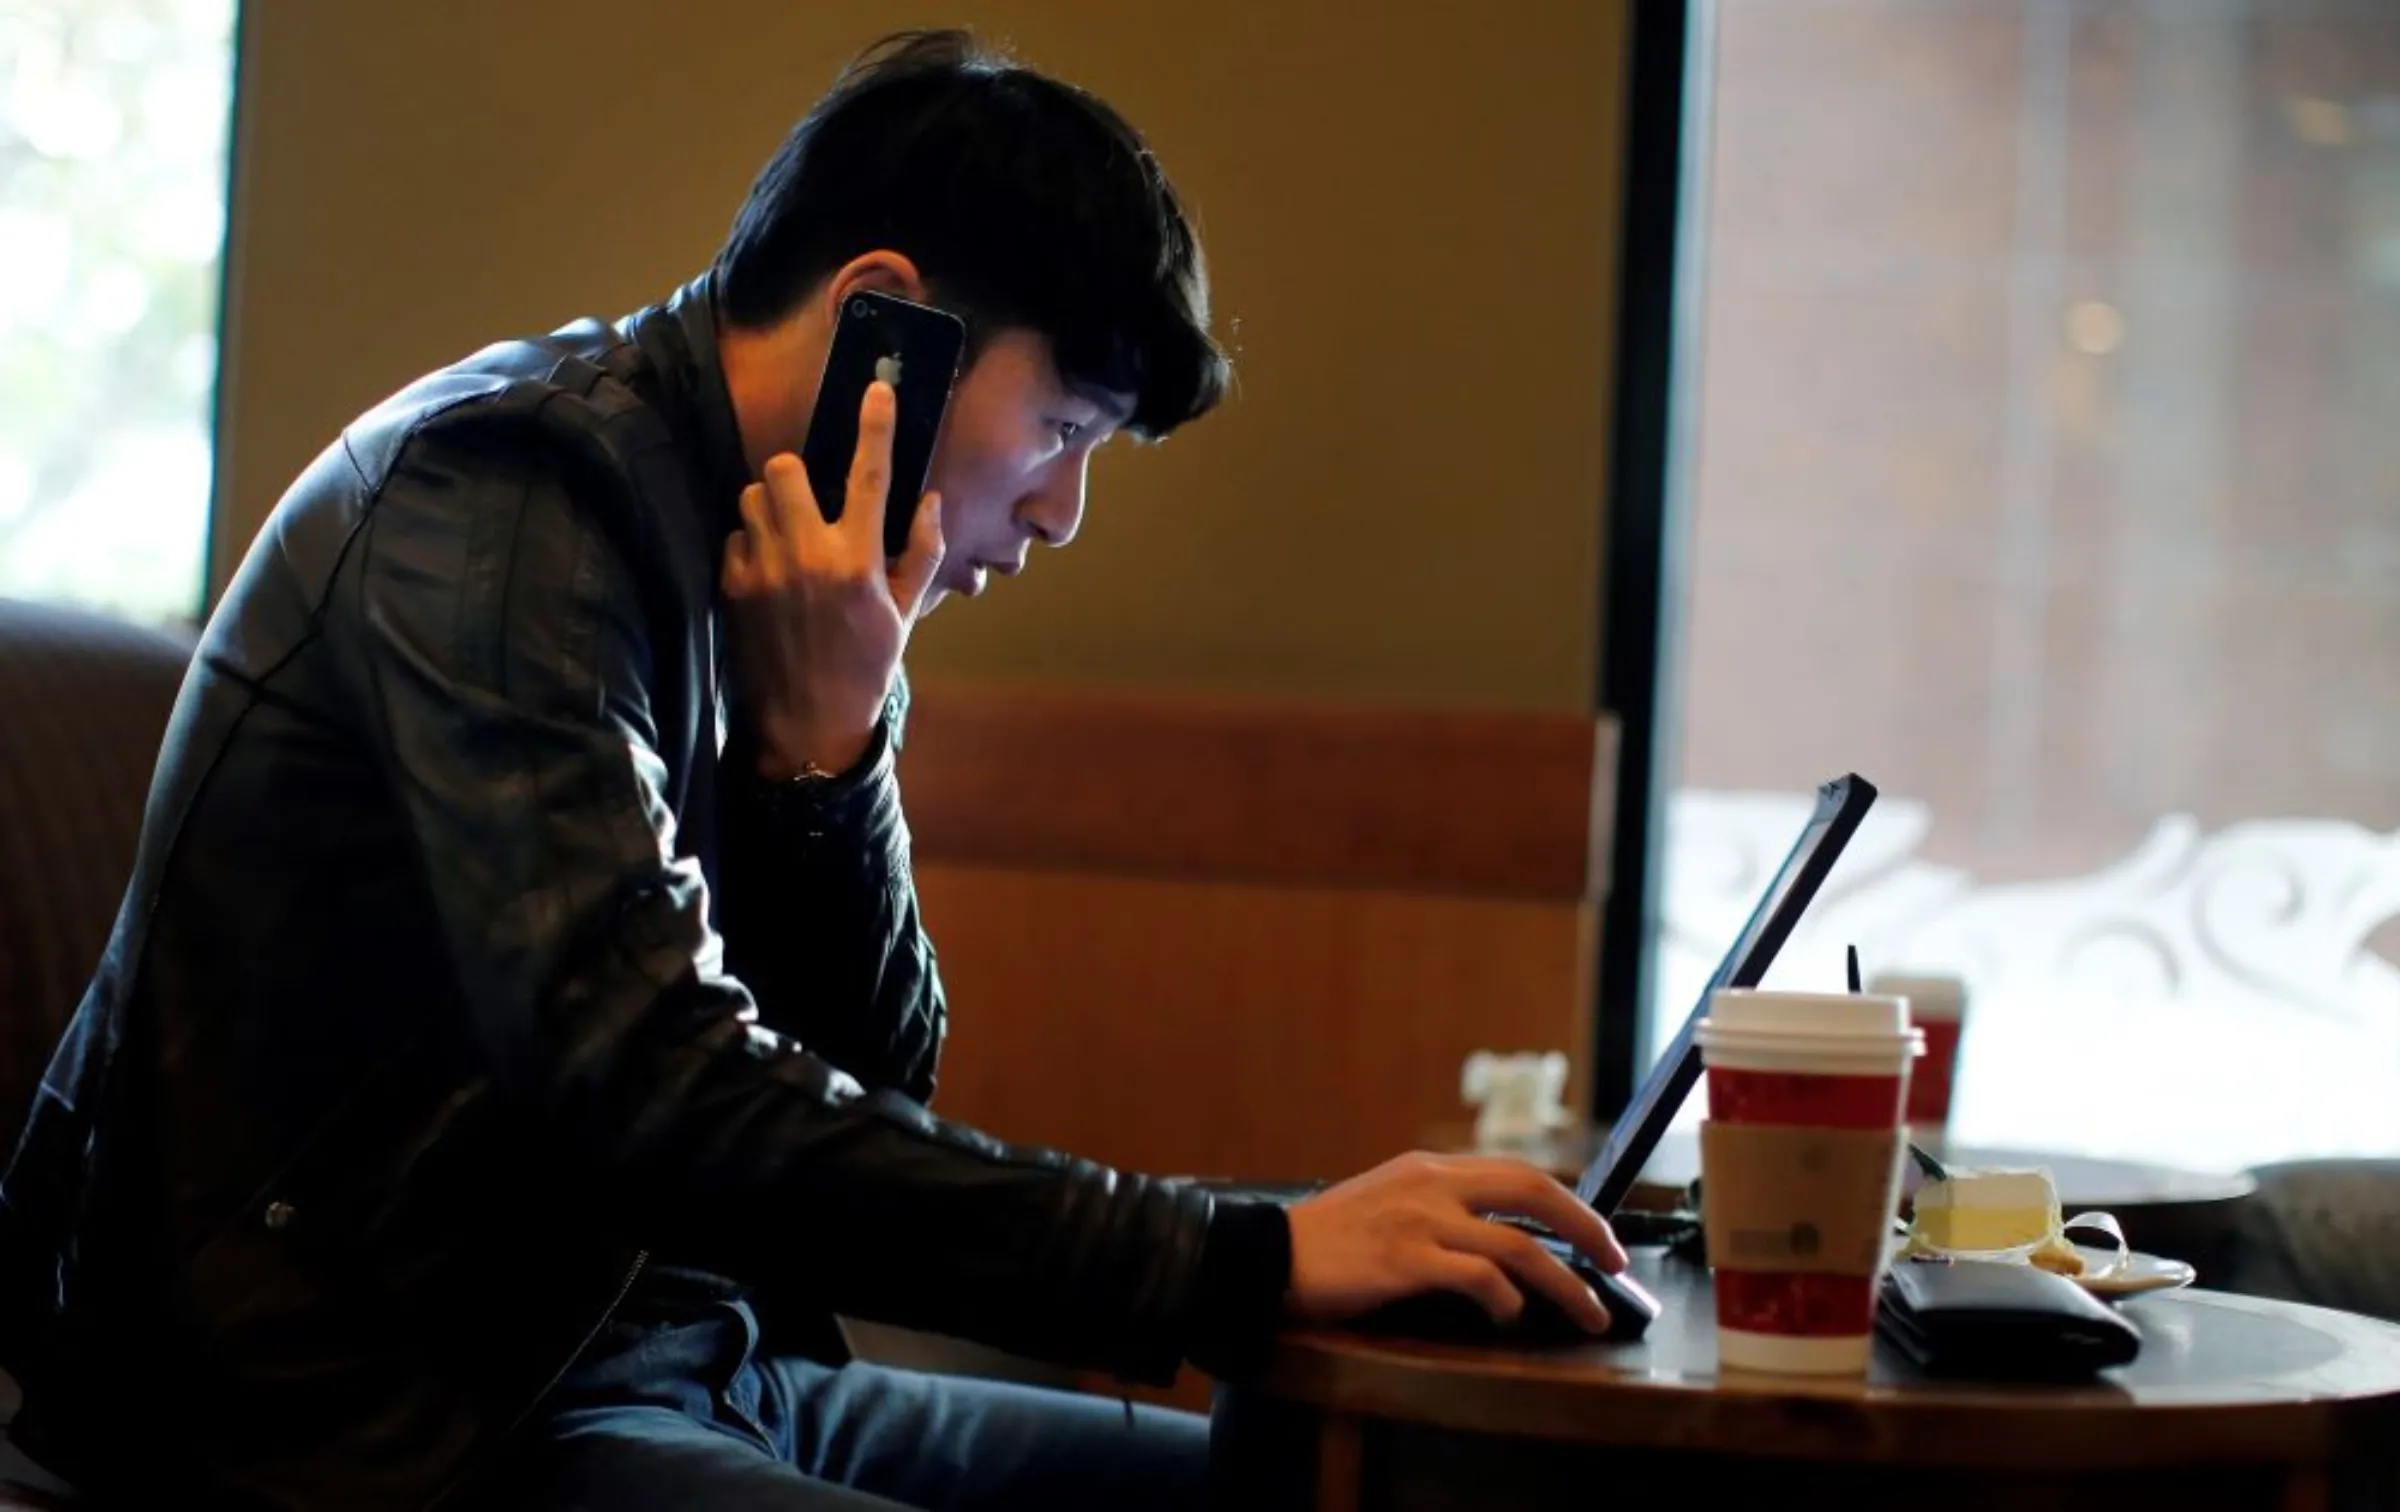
(1247, 938)
(1232, 1029)
(1452, 803)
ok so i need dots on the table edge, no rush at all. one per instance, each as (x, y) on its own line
(2053, 1428)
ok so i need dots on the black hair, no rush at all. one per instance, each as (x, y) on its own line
(1023, 201)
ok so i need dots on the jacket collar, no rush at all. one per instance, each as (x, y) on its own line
(679, 338)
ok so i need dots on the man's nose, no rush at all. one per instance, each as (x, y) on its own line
(1054, 511)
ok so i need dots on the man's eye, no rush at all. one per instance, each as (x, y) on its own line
(1068, 430)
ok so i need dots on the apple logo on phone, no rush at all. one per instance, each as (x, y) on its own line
(887, 370)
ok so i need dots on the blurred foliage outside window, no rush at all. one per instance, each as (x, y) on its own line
(113, 128)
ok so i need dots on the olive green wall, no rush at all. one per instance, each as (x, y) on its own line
(1409, 209)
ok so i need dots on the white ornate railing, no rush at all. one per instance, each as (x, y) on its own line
(2210, 999)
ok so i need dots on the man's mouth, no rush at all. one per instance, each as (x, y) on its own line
(979, 576)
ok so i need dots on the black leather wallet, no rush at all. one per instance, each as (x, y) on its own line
(2002, 1321)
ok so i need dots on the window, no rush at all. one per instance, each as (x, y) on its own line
(113, 127)
(2047, 472)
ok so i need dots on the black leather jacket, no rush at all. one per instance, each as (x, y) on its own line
(463, 965)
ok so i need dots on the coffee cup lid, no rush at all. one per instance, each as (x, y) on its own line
(1753, 1010)
(1929, 996)
(1906, 1045)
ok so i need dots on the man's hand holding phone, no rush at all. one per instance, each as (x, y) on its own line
(818, 616)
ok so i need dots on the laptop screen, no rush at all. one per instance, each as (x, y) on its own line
(1841, 803)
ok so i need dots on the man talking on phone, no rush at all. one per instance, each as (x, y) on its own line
(515, 1046)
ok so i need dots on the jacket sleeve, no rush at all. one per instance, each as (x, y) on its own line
(504, 671)
(819, 913)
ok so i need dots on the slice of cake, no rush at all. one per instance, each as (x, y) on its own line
(1992, 1215)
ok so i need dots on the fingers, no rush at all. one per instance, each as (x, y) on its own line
(1530, 1266)
(871, 467)
(1511, 1186)
(787, 507)
(761, 533)
(1477, 1278)
(741, 565)
(913, 577)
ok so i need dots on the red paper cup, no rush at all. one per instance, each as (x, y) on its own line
(1801, 1060)
(1929, 1087)
(1937, 1005)
(1812, 1099)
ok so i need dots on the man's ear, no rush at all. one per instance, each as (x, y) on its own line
(882, 271)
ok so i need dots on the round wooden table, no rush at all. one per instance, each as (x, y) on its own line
(2234, 1403)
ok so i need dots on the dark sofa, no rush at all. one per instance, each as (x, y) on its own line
(84, 700)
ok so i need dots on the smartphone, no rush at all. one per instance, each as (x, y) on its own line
(916, 349)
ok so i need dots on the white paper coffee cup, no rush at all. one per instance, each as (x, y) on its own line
(1800, 1171)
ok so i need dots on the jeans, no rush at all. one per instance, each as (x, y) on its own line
(676, 1406)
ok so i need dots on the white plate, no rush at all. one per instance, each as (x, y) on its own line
(2140, 1273)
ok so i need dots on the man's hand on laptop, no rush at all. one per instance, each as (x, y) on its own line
(1418, 1224)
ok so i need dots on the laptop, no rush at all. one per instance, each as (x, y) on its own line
(1841, 804)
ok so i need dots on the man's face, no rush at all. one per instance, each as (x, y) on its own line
(1016, 446)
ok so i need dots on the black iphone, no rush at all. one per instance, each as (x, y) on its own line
(916, 349)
